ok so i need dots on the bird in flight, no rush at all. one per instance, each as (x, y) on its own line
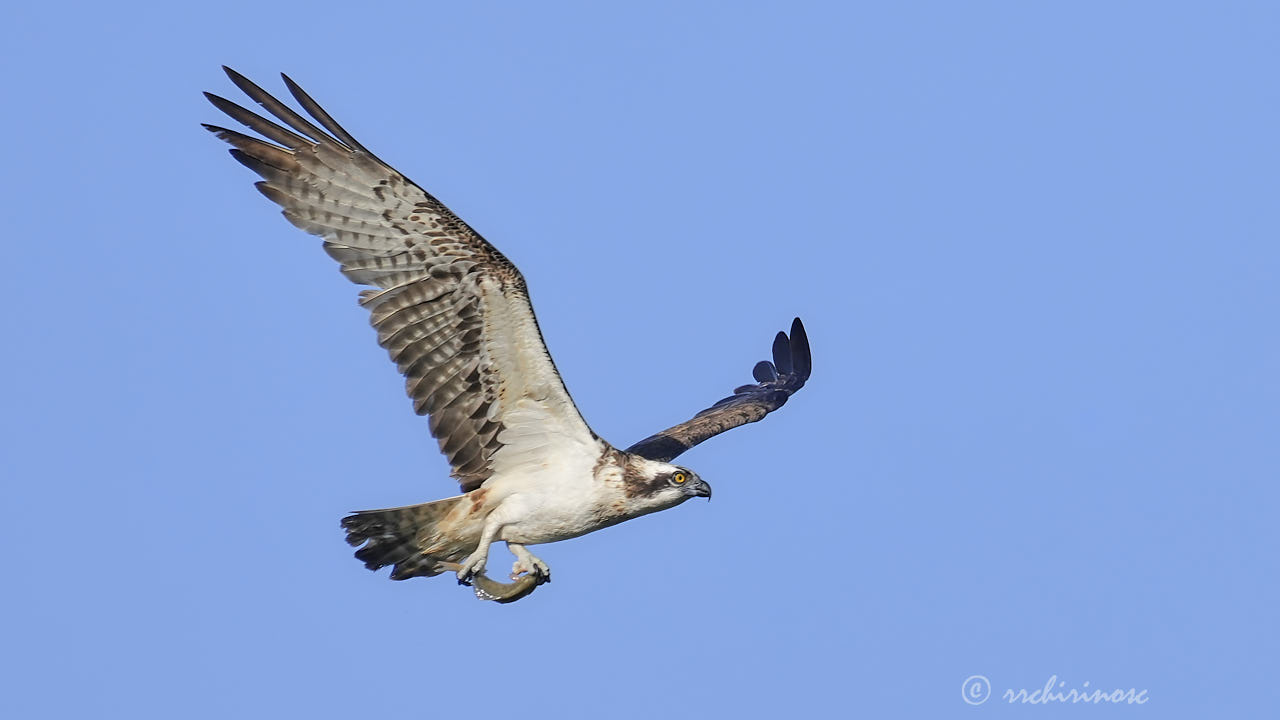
(454, 315)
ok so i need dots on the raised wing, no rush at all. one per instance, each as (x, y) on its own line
(776, 381)
(453, 313)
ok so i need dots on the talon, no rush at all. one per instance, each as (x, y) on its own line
(469, 570)
(538, 570)
(542, 572)
(528, 566)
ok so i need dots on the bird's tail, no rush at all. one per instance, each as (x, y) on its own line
(410, 538)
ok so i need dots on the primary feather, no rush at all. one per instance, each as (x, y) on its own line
(452, 311)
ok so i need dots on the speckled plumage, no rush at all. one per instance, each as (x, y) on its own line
(454, 315)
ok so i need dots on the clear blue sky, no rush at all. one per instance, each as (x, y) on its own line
(1035, 245)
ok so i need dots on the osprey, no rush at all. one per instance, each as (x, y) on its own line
(454, 315)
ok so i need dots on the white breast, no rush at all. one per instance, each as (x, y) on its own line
(548, 494)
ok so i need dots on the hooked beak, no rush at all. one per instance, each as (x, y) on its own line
(702, 489)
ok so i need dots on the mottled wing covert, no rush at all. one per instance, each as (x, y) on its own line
(452, 312)
(776, 381)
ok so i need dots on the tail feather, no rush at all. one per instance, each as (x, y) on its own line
(404, 537)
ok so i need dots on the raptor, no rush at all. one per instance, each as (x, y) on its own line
(454, 315)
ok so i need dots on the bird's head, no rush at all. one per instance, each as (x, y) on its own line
(658, 485)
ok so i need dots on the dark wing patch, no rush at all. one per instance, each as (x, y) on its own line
(776, 381)
(438, 287)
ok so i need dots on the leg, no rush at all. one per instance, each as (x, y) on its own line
(474, 565)
(527, 562)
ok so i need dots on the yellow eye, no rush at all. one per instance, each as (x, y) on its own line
(679, 477)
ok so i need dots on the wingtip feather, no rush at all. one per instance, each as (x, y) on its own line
(801, 357)
(782, 353)
(240, 80)
(764, 372)
(322, 116)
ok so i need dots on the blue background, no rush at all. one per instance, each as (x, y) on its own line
(1035, 245)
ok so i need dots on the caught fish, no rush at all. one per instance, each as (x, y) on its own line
(489, 589)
